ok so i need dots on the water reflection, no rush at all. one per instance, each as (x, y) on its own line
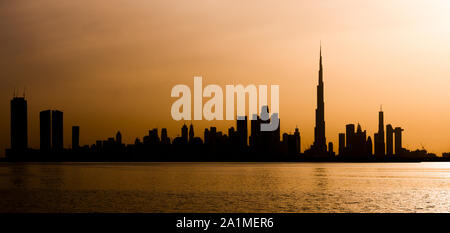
(224, 187)
(320, 178)
(18, 176)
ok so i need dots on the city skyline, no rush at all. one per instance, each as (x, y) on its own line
(104, 66)
(240, 144)
(51, 133)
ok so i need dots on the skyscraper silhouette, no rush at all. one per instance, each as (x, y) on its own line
(341, 144)
(119, 138)
(184, 133)
(191, 133)
(319, 146)
(350, 137)
(75, 137)
(379, 137)
(19, 124)
(298, 144)
(242, 130)
(398, 141)
(57, 130)
(45, 123)
(389, 140)
(164, 138)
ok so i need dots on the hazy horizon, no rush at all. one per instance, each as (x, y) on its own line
(112, 66)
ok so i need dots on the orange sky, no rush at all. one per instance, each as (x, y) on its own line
(110, 65)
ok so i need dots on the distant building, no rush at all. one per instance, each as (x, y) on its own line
(191, 134)
(398, 141)
(297, 138)
(119, 138)
(184, 133)
(331, 149)
(350, 138)
(369, 146)
(164, 138)
(242, 130)
(358, 146)
(57, 130)
(19, 124)
(75, 137)
(341, 144)
(319, 147)
(379, 137)
(389, 140)
(45, 123)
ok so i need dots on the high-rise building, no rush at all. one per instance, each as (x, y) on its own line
(255, 131)
(350, 137)
(57, 130)
(297, 141)
(319, 146)
(153, 137)
(184, 133)
(19, 124)
(369, 147)
(379, 137)
(206, 136)
(242, 130)
(341, 144)
(45, 123)
(389, 140)
(191, 133)
(398, 141)
(331, 149)
(76, 137)
(119, 138)
(164, 138)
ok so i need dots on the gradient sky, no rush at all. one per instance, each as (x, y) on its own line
(110, 65)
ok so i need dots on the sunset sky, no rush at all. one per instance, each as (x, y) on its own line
(111, 65)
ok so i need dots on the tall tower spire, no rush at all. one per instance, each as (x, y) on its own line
(320, 146)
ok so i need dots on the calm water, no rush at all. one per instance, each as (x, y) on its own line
(225, 187)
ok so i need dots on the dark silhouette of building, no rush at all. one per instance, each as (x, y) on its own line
(398, 141)
(191, 134)
(350, 137)
(357, 144)
(119, 138)
(164, 138)
(152, 138)
(45, 130)
(57, 130)
(379, 137)
(297, 138)
(242, 130)
(19, 124)
(369, 146)
(184, 133)
(341, 144)
(319, 146)
(75, 137)
(291, 144)
(255, 130)
(264, 143)
(217, 146)
(389, 140)
(331, 150)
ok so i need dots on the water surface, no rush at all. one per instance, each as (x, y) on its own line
(225, 187)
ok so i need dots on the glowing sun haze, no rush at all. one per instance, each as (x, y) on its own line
(110, 65)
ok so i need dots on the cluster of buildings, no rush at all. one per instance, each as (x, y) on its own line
(244, 142)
